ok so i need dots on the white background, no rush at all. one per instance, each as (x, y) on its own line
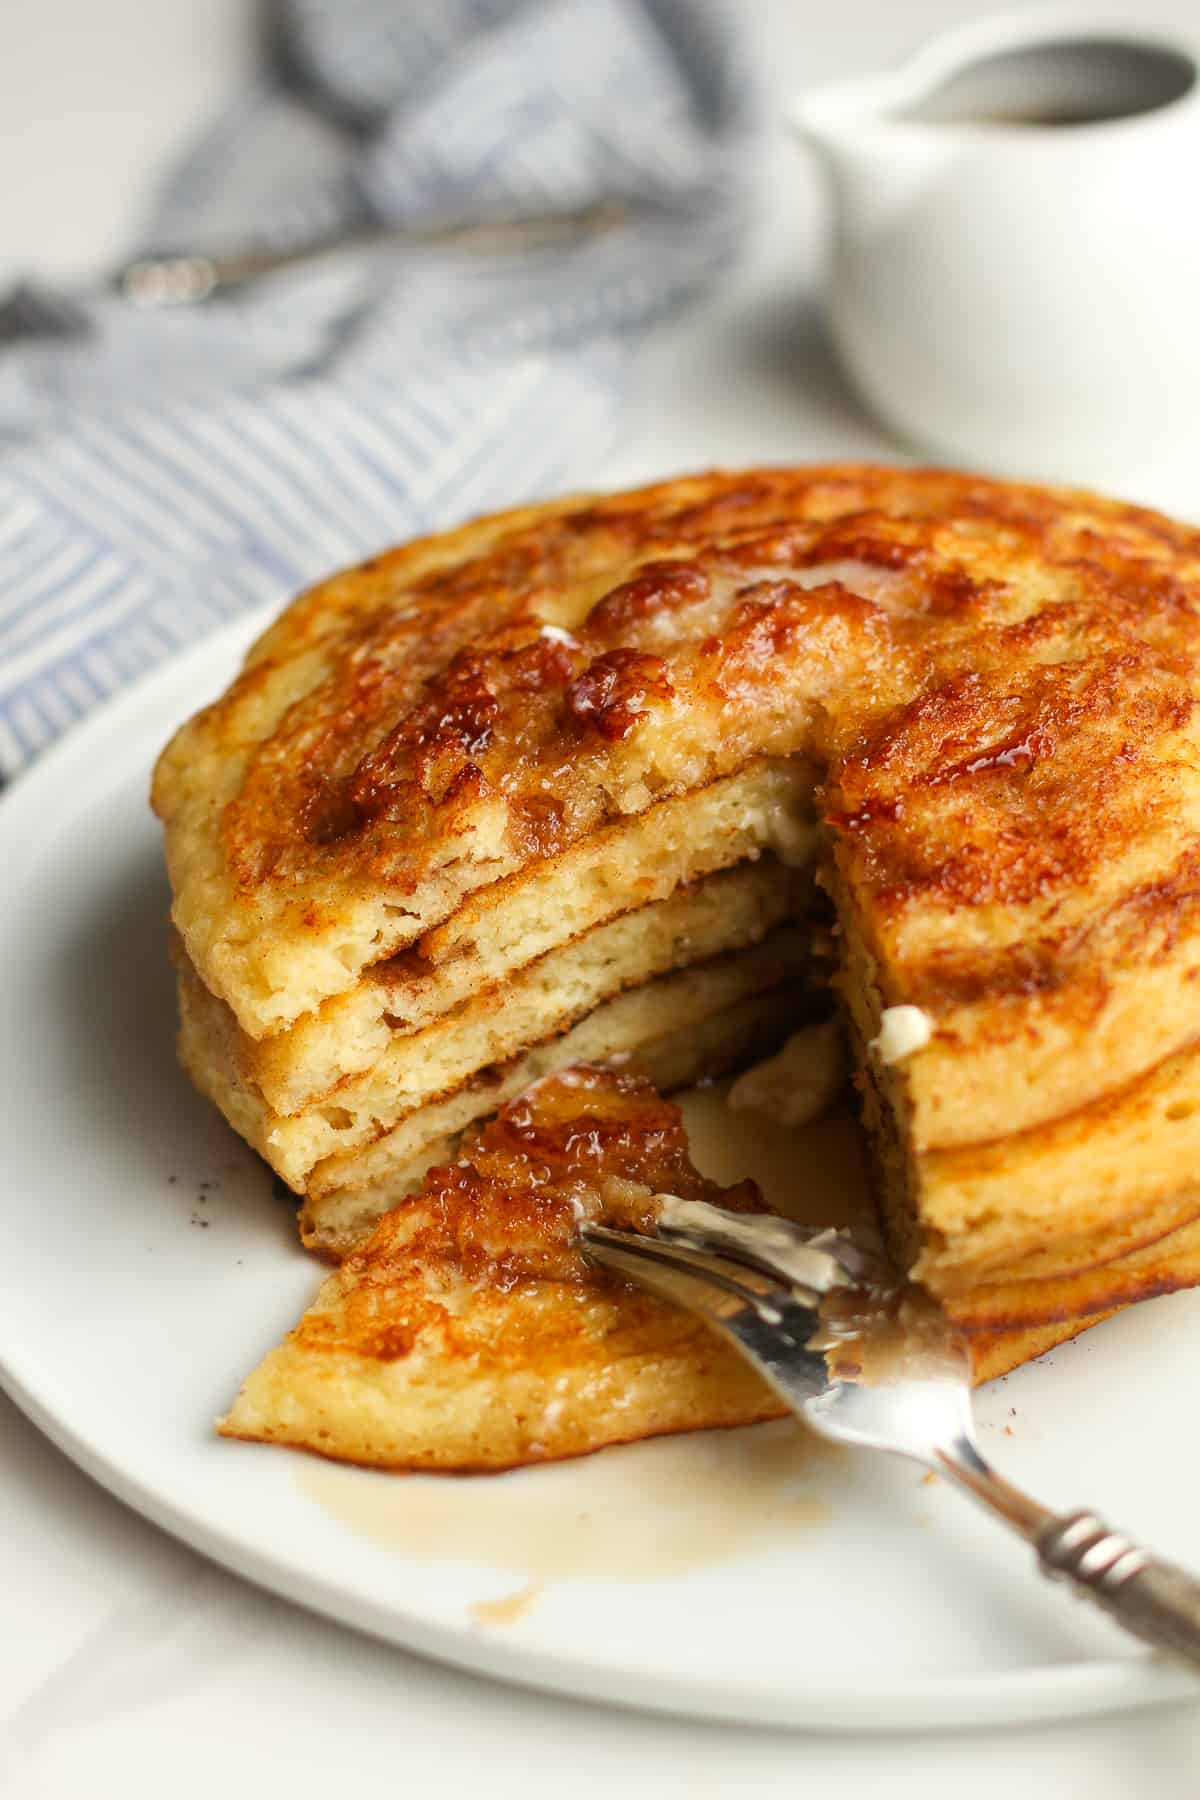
(127, 1664)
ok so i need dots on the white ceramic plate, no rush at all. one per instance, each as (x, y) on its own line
(752, 1575)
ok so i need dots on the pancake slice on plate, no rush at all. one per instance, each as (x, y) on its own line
(467, 1333)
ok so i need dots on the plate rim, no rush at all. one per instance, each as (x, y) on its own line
(1038, 1693)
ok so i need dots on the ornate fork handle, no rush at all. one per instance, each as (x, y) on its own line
(1157, 1601)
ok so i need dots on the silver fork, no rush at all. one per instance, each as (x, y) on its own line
(863, 1363)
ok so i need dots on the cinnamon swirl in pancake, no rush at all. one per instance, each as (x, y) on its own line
(555, 785)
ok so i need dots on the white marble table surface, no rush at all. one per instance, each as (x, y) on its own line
(128, 1665)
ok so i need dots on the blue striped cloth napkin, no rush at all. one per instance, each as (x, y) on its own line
(163, 471)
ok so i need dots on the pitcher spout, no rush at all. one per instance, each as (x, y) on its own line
(878, 163)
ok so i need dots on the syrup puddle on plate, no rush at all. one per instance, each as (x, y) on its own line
(702, 1498)
(508, 1608)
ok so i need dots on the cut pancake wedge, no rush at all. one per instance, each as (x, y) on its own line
(467, 1334)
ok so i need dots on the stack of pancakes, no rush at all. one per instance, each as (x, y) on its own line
(561, 785)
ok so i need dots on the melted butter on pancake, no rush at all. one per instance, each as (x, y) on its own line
(903, 1030)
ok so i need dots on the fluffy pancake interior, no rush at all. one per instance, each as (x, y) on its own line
(766, 809)
(382, 1125)
(729, 910)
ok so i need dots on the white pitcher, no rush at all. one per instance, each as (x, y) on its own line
(1016, 265)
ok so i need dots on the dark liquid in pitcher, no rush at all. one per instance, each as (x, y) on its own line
(1061, 85)
(1043, 118)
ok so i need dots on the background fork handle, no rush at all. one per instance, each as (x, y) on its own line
(1155, 1600)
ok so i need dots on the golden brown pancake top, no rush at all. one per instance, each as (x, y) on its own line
(1025, 620)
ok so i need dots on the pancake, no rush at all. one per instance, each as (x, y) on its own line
(543, 1004)
(970, 703)
(467, 1334)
